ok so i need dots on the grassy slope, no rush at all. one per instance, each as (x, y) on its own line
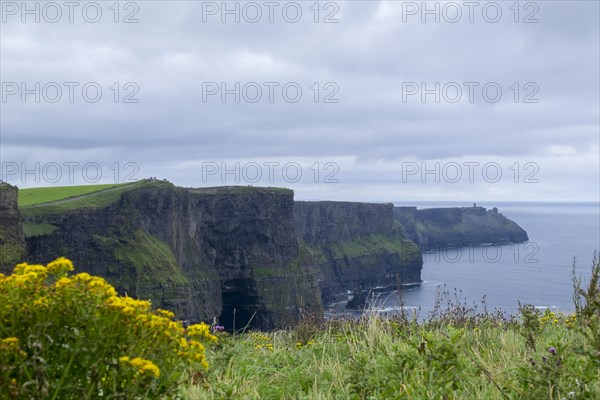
(43, 195)
(67, 198)
(94, 199)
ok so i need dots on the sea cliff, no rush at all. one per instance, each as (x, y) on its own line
(242, 255)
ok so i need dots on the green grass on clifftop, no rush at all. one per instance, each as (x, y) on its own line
(43, 195)
(56, 200)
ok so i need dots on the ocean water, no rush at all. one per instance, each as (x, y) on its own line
(537, 272)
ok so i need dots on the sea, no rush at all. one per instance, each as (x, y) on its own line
(488, 277)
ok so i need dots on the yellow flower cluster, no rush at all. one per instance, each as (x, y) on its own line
(36, 292)
(201, 331)
(130, 306)
(261, 341)
(570, 320)
(141, 365)
(60, 267)
(309, 343)
(193, 351)
(11, 345)
(551, 318)
(25, 276)
(91, 284)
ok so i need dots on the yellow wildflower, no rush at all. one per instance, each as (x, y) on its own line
(165, 313)
(128, 305)
(27, 279)
(11, 345)
(142, 366)
(63, 283)
(60, 266)
(19, 268)
(100, 286)
(10, 341)
(201, 330)
(41, 302)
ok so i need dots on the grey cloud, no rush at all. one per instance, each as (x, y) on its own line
(368, 54)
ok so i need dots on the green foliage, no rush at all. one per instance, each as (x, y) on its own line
(11, 251)
(31, 229)
(531, 325)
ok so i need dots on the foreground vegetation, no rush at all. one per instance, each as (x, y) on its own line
(85, 345)
(73, 337)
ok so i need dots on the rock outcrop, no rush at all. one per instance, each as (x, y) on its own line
(12, 239)
(438, 228)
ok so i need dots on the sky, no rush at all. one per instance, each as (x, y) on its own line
(337, 100)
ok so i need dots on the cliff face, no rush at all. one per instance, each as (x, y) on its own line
(355, 246)
(12, 239)
(437, 228)
(227, 252)
(243, 255)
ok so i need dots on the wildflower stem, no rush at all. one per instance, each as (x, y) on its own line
(62, 378)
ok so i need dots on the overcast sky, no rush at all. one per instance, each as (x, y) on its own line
(376, 101)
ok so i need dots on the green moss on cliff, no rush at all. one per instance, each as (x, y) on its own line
(373, 244)
(151, 258)
(11, 251)
(12, 240)
(31, 229)
(432, 228)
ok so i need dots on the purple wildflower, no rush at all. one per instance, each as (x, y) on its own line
(552, 350)
(219, 328)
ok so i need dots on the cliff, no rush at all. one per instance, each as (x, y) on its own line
(356, 246)
(244, 255)
(12, 239)
(436, 228)
(229, 253)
